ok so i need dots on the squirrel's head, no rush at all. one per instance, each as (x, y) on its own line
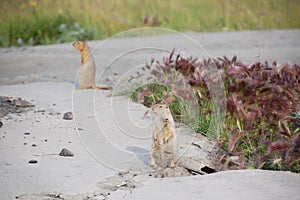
(80, 45)
(160, 108)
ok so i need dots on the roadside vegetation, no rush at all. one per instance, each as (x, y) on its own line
(259, 124)
(34, 22)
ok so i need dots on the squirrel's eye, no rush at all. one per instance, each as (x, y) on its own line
(160, 106)
(78, 42)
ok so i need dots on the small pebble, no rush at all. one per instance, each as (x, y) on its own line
(27, 133)
(45, 140)
(66, 152)
(25, 143)
(33, 145)
(68, 116)
(32, 161)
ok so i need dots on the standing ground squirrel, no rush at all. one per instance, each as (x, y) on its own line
(87, 74)
(164, 144)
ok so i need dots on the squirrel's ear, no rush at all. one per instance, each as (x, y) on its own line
(166, 103)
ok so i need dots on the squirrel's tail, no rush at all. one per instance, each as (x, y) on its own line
(102, 88)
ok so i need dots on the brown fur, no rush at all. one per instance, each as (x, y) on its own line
(164, 141)
(87, 75)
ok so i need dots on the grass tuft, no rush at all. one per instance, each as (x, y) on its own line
(34, 22)
(261, 126)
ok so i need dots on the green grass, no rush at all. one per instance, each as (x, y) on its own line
(56, 21)
(198, 119)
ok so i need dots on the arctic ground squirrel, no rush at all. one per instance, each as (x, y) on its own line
(164, 152)
(87, 74)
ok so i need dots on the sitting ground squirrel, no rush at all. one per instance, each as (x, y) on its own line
(164, 139)
(87, 75)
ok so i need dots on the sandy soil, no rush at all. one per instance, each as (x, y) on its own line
(109, 134)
